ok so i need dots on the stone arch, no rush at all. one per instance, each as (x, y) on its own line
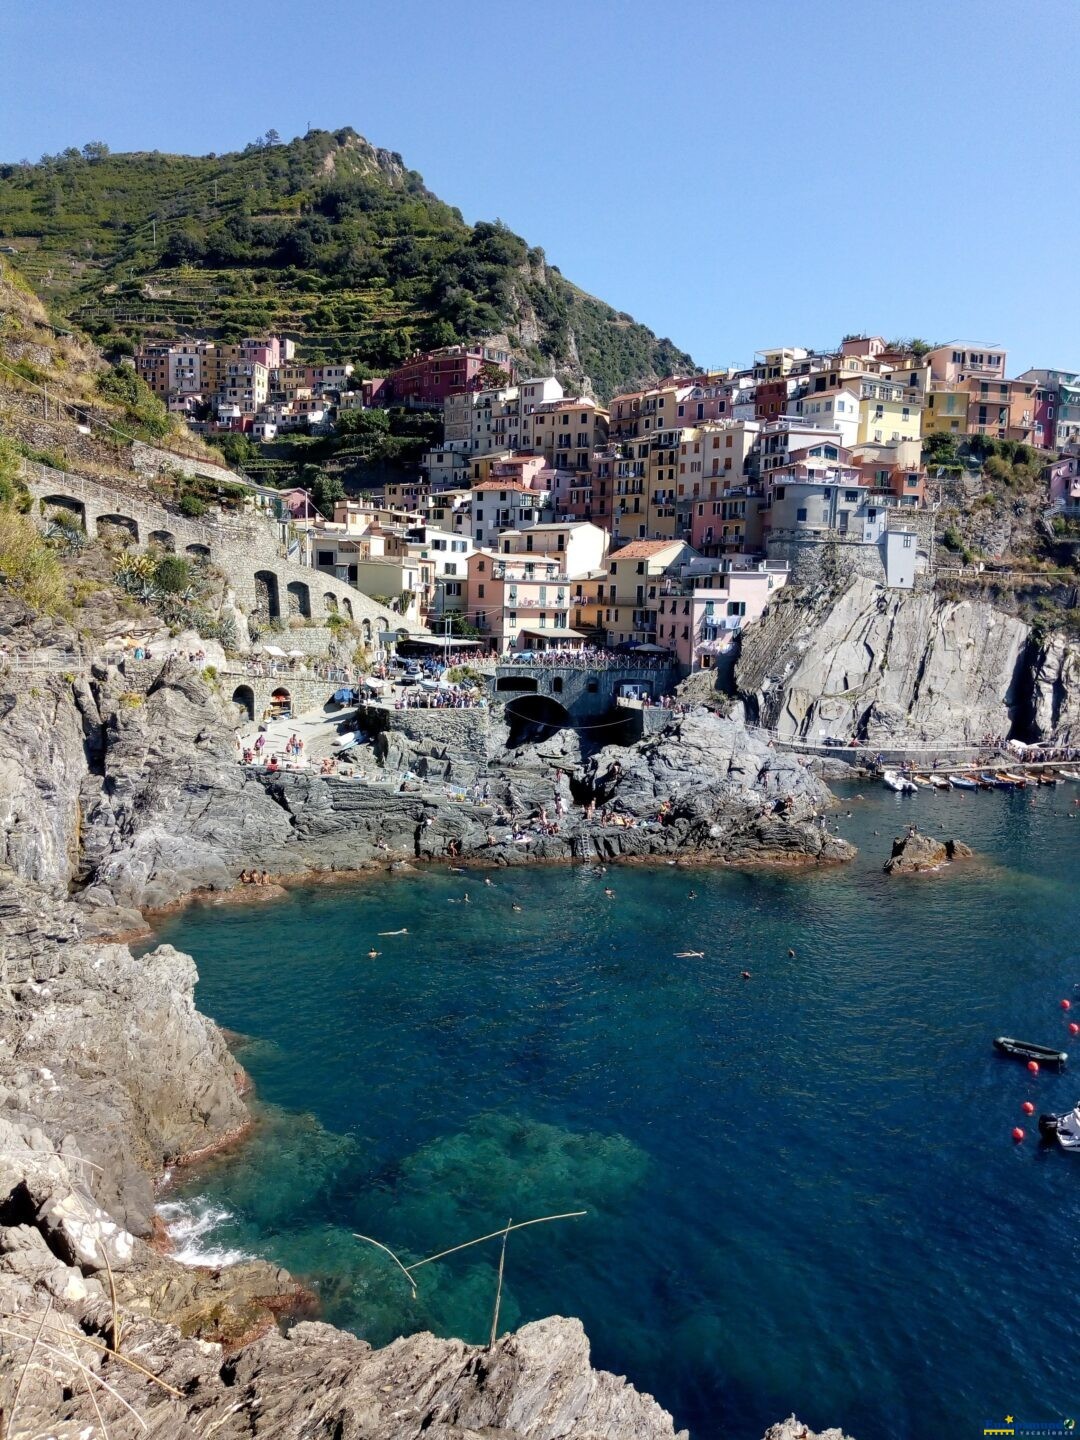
(299, 598)
(348, 608)
(266, 594)
(281, 700)
(198, 552)
(244, 700)
(119, 522)
(534, 718)
(65, 502)
(330, 604)
(165, 539)
(365, 629)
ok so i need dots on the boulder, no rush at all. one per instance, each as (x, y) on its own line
(915, 852)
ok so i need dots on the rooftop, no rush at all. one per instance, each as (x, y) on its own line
(642, 549)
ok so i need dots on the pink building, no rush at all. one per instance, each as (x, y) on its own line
(701, 613)
(1064, 478)
(428, 378)
(520, 602)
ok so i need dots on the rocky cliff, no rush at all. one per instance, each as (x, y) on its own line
(891, 666)
(119, 792)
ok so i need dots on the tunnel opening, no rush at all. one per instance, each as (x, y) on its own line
(533, 718)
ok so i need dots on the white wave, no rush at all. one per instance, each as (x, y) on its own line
(190, 1225)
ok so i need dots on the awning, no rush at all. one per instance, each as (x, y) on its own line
(297, 654)
(555, 636)
(273, 650)
(439, 642)
(652, 650)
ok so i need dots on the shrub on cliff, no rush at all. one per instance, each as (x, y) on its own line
(29, 568)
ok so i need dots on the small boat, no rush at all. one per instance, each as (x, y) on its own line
(963, 782)
(1069, 774)
(1018, 780)
(939, 782)
(921, 782)
(1065, 1129)
(900, 783)
(1047, 777)
(1028, 1050)
(994, 782)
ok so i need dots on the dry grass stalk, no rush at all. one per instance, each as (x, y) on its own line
(379, 1245)
(108, 1350)
(494, 1235)
(55, 1350)
(89, 1391)
(26, 1367)
(498, 1288)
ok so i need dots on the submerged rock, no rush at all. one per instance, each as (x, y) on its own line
(914, 852)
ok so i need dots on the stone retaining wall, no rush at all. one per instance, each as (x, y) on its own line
(263, 582)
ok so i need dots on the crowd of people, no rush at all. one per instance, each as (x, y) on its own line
(449, 698)
(590, 657)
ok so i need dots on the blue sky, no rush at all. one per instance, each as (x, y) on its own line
(736, 175)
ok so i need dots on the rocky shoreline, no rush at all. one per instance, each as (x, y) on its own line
(112, 806)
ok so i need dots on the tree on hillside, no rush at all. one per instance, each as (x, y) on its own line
(325, 489)
(95, 150)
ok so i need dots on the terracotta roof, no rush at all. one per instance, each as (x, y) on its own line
(640, 549)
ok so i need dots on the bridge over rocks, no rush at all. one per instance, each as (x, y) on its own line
(540, 699)
(247, 550)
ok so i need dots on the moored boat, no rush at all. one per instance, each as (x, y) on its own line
(1065, 1129)
(1069, 774)
(1028, 1050)
(1018, 780)
(900, 783)
(963, 782)
(939, 782)
(994, 782)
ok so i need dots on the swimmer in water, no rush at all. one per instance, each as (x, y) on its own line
(373, 954)
(610, 893)
(692, 895)
(745, 975)
(689, 954)
(515, 907)
(402, 931)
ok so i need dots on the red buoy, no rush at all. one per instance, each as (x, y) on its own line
(1074, 1028)
(1066, 1004)
(1033, 1066)
(1018, 1134)
(1028, 1108)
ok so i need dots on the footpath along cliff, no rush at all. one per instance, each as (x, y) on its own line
(117, 795)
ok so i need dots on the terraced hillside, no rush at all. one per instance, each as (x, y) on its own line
(326, 239)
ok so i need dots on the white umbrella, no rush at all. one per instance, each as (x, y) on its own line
(297, 654)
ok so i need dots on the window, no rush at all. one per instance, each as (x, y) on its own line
(800, 514)
(907, 541)
(326, 557)
(480, 591)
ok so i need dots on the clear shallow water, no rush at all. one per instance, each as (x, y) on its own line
(802, 1192)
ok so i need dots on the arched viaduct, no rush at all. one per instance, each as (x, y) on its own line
(264, 582)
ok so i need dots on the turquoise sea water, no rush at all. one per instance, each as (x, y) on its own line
(801, 1189)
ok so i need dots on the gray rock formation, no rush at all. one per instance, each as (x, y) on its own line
(915, 852)
(792, 1429)
(108, 1073)
(886, 666)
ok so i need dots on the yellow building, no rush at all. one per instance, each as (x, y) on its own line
(887, 411)
(635, 575)
(946, 408)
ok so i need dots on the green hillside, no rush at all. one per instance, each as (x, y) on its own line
(325, 239)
